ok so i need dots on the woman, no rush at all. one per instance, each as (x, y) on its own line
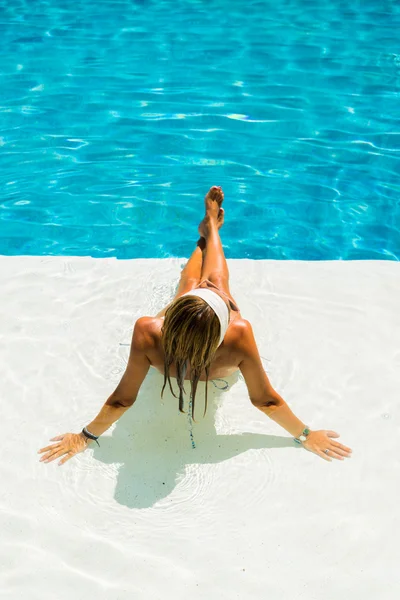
(200, 335)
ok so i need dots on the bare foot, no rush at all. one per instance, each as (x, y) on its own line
(214, 213)
(213, 199)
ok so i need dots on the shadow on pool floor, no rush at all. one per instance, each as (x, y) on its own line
(152, 444)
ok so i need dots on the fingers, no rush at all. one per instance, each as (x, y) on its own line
(332, 434)
(58, 438)
(336, 448)
(55, 455)
(321, 443)
(64, 460)
(342, 447)
(66, 446)
(48, 448)
(339, 449)
(332, 454)
(323, 455)
(328, 456)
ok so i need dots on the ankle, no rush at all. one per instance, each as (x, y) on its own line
(201, 243)
(212, 215)
(211, 219)
(212, 228)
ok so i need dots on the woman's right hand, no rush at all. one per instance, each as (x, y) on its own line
(68, 445)
(321, 443)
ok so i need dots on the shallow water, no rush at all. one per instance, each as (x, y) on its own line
(146, 515)
(117, 116)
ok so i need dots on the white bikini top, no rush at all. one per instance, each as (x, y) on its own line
(217, 304)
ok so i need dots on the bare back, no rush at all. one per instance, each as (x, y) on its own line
(228, 355)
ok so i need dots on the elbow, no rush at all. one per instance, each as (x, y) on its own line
(267, 404)
(119, 402)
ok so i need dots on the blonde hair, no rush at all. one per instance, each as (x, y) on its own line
(190, 338)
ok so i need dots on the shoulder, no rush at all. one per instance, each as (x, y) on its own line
(241, 327)
(146, 332)
(241, 334)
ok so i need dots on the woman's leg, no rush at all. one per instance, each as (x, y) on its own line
(206, 250)
(191, 273)
(214, 267)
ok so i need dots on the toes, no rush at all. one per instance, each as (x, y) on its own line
(220, 218)
(216, 194)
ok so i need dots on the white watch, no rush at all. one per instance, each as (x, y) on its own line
(303, 436)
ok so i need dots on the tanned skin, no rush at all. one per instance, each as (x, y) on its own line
(207, 267)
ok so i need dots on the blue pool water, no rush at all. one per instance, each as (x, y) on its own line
(116, 116)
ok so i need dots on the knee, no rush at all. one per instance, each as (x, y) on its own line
(189, 281)
(219, 279)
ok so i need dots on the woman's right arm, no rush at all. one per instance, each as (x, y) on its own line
(265, 398)
(116, 405)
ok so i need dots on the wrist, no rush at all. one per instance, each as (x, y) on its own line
(303, 436)
(85, 439)
(90, 436)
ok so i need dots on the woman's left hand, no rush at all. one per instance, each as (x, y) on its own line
(321, 443)
(68, 445)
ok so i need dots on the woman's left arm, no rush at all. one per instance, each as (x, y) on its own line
(265, 398)
(69, 444)
(125, 394)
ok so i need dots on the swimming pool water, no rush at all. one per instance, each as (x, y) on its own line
(117, 116)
